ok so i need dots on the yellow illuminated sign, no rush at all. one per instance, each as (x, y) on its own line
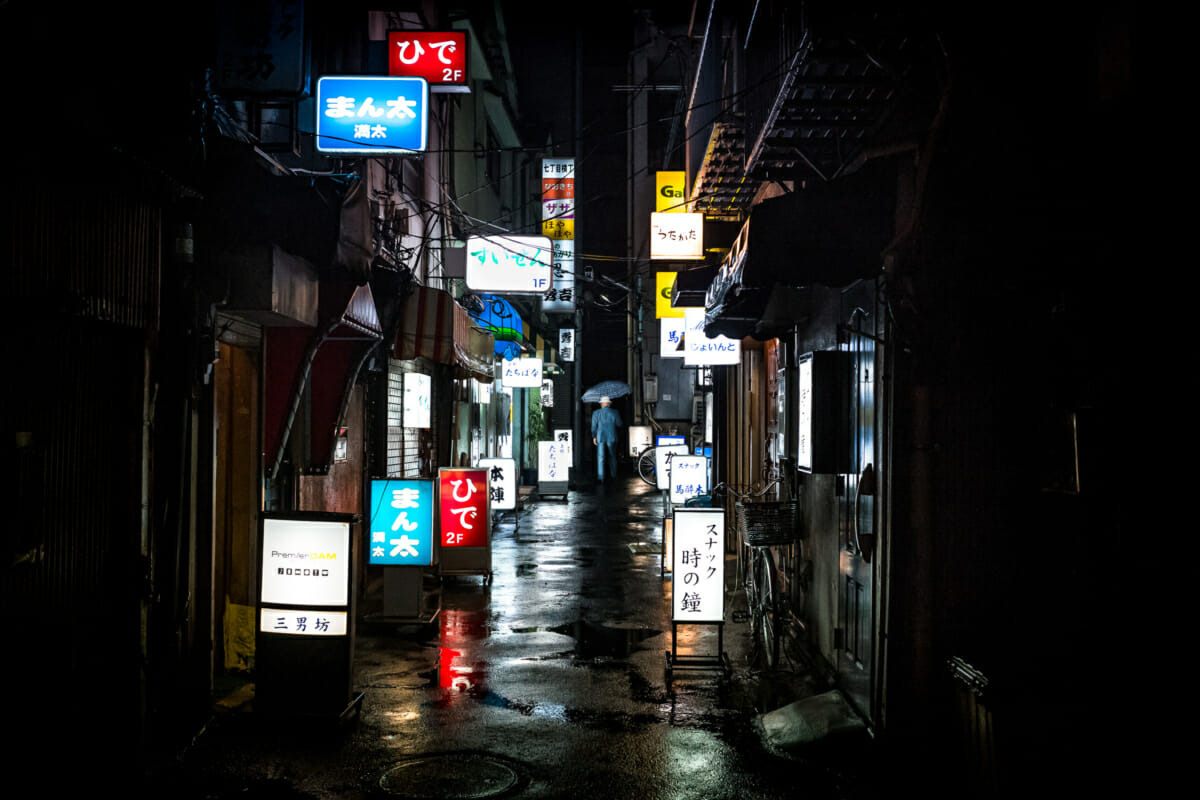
(663, 281)
(669, 191)
(558, 228)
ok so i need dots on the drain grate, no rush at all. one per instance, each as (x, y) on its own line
(450, 776)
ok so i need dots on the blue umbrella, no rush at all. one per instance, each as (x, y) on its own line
(610, 389)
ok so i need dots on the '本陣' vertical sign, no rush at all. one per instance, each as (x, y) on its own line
(558, 222)
(698, 565)
(502, 482)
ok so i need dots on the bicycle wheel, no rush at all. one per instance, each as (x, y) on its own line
(647, 470)
(767, 623)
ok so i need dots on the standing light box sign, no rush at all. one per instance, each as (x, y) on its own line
(547, 393)
(521, 373)
(502, 482)
(401, 522)
(372, 115)
(417, 392)
(463, 498)
(702, 350)
(640, 437)
(509, 264)
(698, 565)
(664, 457)
(689, 478)
(554, 462)
(303, 643)
(676, 237)
(440, 57)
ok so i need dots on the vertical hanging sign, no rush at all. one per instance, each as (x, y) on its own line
(558, 222)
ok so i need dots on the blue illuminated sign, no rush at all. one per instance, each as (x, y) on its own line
(372, 114)
(401, 522)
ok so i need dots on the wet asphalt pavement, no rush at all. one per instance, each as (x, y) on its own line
(549, 680)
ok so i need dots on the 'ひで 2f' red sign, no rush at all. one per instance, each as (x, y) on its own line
(464, 507)
(440, 57)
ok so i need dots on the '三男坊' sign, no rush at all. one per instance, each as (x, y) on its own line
(372, 114)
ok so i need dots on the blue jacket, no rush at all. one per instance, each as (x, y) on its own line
(605, 422)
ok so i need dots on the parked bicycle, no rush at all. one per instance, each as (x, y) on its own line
(763, 524)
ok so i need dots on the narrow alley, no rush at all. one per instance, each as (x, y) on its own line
(546, 680)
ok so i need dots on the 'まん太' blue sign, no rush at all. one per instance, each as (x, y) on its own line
(401, 522)
(372, 114)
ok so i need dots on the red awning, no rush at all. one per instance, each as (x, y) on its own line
(435, 326)
(326, 360)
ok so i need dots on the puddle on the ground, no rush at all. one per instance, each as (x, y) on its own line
(600, 641)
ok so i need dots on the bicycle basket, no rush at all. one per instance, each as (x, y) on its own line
(768, 523)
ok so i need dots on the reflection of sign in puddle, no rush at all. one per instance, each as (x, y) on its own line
(598, 641)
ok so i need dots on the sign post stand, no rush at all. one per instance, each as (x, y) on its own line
(668, 448)
(698, 584)
(401, 542)
(465, 522)
(554, 464)
(304, 641)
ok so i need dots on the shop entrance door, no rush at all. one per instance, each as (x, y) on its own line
(857, 510)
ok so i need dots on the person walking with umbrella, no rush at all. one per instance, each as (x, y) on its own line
(605, 422)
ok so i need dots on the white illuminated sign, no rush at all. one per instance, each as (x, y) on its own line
(417, 392)
(671, 337)
(522, 373)
(804, 414)
(698, 565)
(554, 461)
(689, 477)
(640, 437)
(676, 236)
(306, 622)
(702, 350)
(566, 344)
(510, 264)
(663, 456)
(305, 562)
(502, 482)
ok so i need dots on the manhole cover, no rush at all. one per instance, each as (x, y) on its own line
(450, 776)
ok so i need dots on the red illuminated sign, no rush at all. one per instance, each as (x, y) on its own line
(440, 57)
(464, 507)
(558, 188)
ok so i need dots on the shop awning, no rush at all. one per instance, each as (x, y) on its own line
(322, 362)
(691, 286)
(438, 328)
(830, 234)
